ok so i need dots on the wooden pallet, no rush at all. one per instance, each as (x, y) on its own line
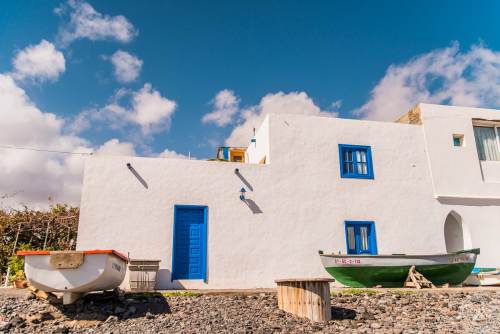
(417, 280)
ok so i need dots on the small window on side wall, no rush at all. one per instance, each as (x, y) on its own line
(355, 161)
(458, 140)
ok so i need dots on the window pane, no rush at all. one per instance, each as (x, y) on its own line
(364, 238)
(362, 156)
(348, 156)
(350, 237)
(486, 141)
(362, 168)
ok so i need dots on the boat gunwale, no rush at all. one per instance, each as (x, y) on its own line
(392, 256)
(89, 252)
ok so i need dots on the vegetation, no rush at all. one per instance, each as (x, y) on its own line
(52, 229)
(165, 294)
(354, 291)
(181, 294)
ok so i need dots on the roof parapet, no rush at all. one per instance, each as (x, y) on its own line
(411, 117)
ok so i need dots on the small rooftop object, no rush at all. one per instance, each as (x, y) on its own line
(142, 274)
(305, 297)
(74, 273)
(232, 154)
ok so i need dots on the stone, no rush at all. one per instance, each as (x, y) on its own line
(111, 318)
(119, 310)
(5, 325)
(34, 319)
(475, 311)
(29, 296)
(61, 329)
(17, 322)
(367, 316)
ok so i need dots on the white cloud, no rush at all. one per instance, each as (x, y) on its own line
(442, 76)
(170, 154)
(39, 62)
(127, 67)
(285, 103)
(31, 177)
(115, 147)
(151, 111)
(86, 22)
(145, 108)
(225, 106)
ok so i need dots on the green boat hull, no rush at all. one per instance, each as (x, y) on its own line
(395, 276)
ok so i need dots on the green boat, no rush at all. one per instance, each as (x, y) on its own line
(364, 271)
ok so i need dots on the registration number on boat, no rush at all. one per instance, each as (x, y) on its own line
(348, 261)
(116, 267)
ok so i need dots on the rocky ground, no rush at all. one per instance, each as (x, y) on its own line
(471, 311)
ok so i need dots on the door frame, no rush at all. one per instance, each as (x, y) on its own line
(372, 241)
(204, 240)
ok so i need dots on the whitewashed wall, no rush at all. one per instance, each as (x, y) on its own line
(461, 182)
(299, 201)
(259, 149)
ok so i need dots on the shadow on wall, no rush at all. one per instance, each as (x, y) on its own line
(253, 206)
(242, 178)
(136, 174)
(164, 281)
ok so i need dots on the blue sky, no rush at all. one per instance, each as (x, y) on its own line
(327, 58)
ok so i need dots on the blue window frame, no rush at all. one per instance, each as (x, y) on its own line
(355, 161)
(360, 237)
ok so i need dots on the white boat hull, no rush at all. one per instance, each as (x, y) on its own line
(98, 272)
(483, 279)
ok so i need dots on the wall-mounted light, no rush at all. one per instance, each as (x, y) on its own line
(242, 193)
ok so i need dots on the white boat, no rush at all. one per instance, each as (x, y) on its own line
(74, 273)
(484, 277)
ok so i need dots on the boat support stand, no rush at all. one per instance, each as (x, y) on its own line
(71, 297)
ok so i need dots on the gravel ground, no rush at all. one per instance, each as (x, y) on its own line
(476, 311)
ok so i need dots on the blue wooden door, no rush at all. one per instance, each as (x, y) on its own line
(190, 242)
(360, 237)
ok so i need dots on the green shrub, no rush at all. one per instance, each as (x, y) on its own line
(16, 266)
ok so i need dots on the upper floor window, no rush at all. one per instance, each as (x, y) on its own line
(355, 161)
(488, 142)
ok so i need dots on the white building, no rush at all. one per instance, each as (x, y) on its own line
(431, 185)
